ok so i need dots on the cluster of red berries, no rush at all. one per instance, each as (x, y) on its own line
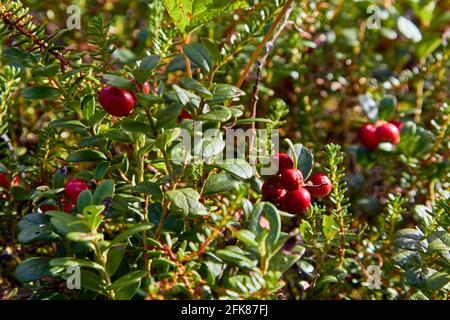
(120, 102)
(371, 135)
(287, 188)
(72, 190)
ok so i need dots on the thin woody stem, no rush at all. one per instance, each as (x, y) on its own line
(263, 43)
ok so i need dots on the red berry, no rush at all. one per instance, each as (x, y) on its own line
(321, 185)
(184, 115)
(272, 190)
(67, 205)
(16, 181)
(4, 181)
(398, 124)
(366, 135)
(282, 161)
(116, 101)
(291, 179)
(48, 207)
(388, 132)
(146, 87)
(296, 201)
(73, 188)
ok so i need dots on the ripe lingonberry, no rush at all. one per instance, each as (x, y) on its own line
(321, 185)
(396, 123)
(296, 201)
(67, 205)
(4, 181)
(366, 135)
(48, 207)
(291, 179)
(116, 101)
(282, 161)
(387, 132)
(272, 189)
(184, 115)
(73, 188)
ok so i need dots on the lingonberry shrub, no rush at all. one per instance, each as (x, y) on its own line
(92, 122)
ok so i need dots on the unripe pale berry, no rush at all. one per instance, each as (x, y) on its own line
(73, 188)
(297, 201)
(321, 185)
(272, 189)
(366, 136)
(387, 132)
(291, 179)
(146, 87)
(282, 161)
(117, 102)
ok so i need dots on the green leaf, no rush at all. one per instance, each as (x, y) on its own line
(281, 262)
(408, 259)
(65, 262)
(238, 167)
(115, 255)
(128, 279)
(220, 182)
(270, 212)
(166, 138)
(126, 293)
(32, 269)
(136, 126)
(66, 223)
(119, 82)
(84, 237)
(209, 147)
(66, 124)
(223, 92)
(194, 85)
(131, 231)
(118, 135)
(84, 200)
(168, 115)
(217, 114)
(104, 190)
(388, 105)
(247, 237)
(36, 232)
(410, 239)
(46, 71)
(329, 226)
(40, 92)
(87, 107)
(151, 188)
(198, 54)
(189, 14)
(252, 120)
(86, 155)
(428, 46)
(438, 280)
(90, 280)
(409, 29)
(235, 258)
(304, 159)
(207, 10)
(186, 202)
